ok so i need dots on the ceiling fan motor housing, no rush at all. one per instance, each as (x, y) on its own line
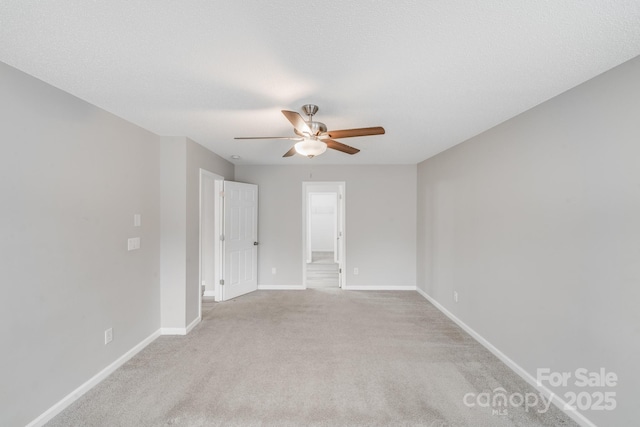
(317, 128)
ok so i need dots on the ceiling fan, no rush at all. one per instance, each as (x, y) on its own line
(314, 138)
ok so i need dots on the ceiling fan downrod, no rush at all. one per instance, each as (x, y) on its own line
(310, 110)
(316, 128)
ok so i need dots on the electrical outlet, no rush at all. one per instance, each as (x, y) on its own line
(273, 270)
(108, 336)
(455, 296)
(356, 271)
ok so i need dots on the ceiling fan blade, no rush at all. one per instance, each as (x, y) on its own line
(290, 153)
(348, 133)
(291, 138)
(297, 121)
(340, 146)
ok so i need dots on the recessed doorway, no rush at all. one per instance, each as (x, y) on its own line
(324, 233)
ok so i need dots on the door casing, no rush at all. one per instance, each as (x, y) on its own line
(210, 231)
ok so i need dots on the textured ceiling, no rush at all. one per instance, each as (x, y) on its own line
(433, 73)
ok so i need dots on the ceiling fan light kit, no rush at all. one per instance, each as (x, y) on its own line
(314, 138)
(310, 147)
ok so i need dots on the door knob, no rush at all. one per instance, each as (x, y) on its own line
(255, 243)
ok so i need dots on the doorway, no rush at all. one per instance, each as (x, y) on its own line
(324, 234)
(210, 230)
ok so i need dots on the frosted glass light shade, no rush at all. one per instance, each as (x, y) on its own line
(310, 147)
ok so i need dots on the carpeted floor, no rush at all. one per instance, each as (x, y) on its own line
(320, 357)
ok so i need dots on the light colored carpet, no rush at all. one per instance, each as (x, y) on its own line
(320, 357)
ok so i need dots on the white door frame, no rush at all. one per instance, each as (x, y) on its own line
(338, 187)
(210, 255)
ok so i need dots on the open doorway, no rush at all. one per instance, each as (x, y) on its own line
(210, 230)
(324, 233)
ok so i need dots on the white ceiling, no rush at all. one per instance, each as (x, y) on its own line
(433, 73)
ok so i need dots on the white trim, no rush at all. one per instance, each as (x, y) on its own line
(379, 288)
(217, 212)
(95, 380)
(281, 288)
(218, 264)
(555, 399)
(193, 324)
(209, 294)
(181, 331)
(350, 288)
(342, 228)
(173, 331)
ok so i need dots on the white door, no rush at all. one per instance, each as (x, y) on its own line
(240, 239)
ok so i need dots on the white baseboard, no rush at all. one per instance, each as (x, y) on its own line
(193, 324)
(95, 380)
(379, 288)
(180, 331)
(555, 399)
(281, 288)
(346, 288)
(209, 293)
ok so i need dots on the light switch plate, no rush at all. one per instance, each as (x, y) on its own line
(137, 220)
(133, 243)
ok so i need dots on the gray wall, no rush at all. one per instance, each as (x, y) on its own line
(182, 160)
(71, 178)
(380, 221)
(536, 223)
(173, 181)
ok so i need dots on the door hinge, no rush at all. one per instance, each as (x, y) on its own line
(222, 282)
(340, 270)
(222, 237)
